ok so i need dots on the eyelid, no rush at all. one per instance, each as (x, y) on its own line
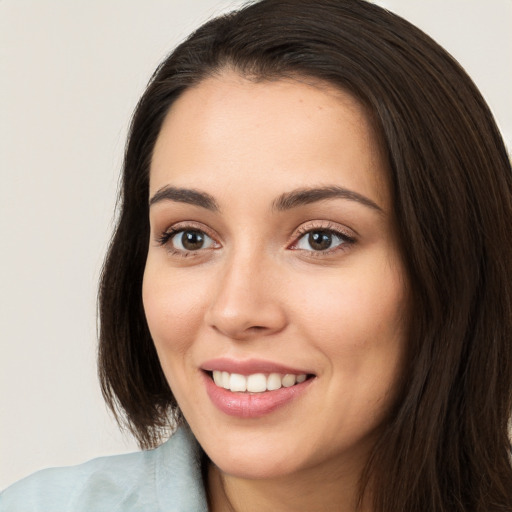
(327, 225)
(164, 236)
(347, 234)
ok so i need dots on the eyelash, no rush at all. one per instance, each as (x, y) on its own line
(165, 238)
(346, 239)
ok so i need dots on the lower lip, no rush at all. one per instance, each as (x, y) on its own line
(252, 405)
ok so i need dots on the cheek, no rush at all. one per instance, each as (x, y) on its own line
(356, 316)
(172, 307)
(355, 309)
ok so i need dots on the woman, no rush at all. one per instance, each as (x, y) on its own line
(308, 279)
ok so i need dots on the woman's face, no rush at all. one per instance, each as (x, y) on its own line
(273, 260)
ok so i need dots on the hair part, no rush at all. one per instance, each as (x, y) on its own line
(446, 445)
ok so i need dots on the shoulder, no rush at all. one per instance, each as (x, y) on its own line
(106, 483)
(167, 477)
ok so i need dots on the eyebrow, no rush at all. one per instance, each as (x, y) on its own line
(286, 201)
(304, 196)
(185, 195)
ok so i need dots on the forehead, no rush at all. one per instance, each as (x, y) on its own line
(281, 131)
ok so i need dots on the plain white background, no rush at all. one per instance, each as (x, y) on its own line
(70, 75)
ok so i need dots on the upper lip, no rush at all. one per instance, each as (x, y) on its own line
(249, 366)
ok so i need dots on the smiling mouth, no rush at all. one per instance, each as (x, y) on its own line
(256, 382)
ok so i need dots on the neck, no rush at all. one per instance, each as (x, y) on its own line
(331, 489)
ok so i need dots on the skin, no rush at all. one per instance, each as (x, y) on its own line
(258, 289)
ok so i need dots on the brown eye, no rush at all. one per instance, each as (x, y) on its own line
(321, 240)
(191, 240)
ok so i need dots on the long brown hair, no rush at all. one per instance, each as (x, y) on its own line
(446, 446)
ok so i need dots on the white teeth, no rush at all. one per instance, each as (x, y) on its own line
(274, 381)
(301, 378)
(288, 380)
(257, 382)
(237, 382)
(217, 378)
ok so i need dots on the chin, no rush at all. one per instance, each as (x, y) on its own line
(254, 468)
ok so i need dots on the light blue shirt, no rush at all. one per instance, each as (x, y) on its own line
(166, 479)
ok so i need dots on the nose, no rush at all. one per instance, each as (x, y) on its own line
(247, 302)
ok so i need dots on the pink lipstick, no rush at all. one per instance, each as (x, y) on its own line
(253, 388)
